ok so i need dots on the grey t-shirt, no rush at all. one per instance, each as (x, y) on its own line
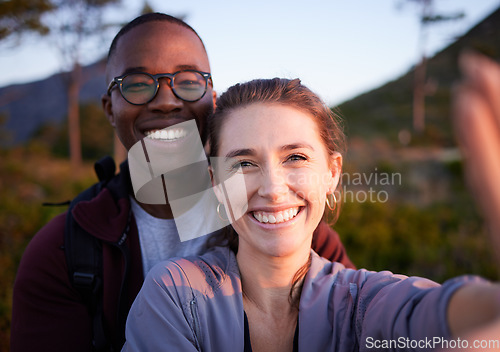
(159, 239)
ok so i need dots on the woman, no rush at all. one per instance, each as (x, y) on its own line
(265, 290)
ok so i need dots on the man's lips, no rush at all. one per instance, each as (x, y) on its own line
(170, 134)
(150, 126)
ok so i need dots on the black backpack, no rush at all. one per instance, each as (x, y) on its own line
(85, 267)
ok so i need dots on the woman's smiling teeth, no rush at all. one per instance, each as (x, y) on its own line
(277, 217)
(169, 135)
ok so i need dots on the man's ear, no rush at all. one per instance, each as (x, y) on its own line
(107, 106)
(214, 97)
(215, 185)
(335, 171)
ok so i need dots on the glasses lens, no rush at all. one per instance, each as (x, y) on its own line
(189, 85)
(138, 88)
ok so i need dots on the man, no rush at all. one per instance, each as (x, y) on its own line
(48, 311)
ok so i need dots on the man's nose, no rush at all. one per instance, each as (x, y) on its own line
(165, 99)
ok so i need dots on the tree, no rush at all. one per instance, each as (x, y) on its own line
(19, 16)
(74, 25)
(427, 17)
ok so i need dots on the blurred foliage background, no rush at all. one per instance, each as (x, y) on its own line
(31, 175)
(427, 223)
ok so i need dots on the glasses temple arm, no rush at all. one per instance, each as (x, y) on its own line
(111, 86)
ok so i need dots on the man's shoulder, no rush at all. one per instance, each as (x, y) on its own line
(50, 236)
(44, 255)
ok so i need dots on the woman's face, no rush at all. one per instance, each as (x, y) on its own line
(287, 173)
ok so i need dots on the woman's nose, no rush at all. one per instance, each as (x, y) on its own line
(273, 185)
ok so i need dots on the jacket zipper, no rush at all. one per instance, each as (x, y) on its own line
(194, 312)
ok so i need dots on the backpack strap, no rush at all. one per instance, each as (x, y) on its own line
(84, 257)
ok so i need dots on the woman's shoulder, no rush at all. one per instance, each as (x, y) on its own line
(205, 273)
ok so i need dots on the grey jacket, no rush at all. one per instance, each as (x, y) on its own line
(195, 304)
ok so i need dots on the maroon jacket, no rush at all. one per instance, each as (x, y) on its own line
(48, 313)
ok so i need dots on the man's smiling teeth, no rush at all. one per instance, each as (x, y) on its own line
(169, 135)
(275, 218)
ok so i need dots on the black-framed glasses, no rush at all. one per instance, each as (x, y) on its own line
(140, 88)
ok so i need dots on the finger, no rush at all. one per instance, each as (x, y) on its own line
(483, 75)
(479, 138)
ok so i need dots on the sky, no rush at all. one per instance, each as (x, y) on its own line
(338, 48)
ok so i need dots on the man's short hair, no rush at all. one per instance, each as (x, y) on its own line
(148, 17)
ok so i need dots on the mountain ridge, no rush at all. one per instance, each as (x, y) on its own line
(382, 112)
(28, 106)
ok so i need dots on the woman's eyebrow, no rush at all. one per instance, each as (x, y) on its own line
(240, 152)
(297, 146)
(252, 152)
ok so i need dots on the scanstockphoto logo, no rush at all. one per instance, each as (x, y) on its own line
(432, 343)
(373, 186)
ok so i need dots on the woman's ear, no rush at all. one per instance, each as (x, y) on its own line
(335, 171)
(215, 185)
(206, 147)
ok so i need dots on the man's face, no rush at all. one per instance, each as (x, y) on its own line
(156, 47)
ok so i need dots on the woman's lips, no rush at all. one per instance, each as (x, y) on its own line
(278, 217)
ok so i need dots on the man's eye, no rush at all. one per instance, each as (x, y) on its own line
(133, 87)
(186, 84)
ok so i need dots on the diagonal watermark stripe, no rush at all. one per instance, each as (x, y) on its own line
(163, 173)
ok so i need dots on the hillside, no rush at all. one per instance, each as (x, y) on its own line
(387, 110)
(24, 108)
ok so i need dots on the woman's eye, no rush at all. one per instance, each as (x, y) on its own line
(241, 166)
(297, 157)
